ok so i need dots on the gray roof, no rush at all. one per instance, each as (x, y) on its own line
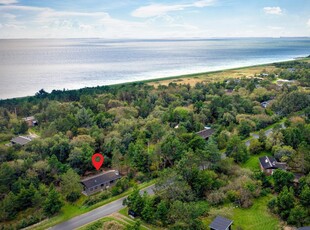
(304, 228)
(21, 140)
(271, 163)
(220, 223)
(207, 132)
(101, 178)
(29, 118)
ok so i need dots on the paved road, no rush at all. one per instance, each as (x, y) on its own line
(267, 133)
(95, 214)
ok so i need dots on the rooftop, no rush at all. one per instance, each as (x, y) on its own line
(271, 163)
(21, 140)
(29, 118)
(220, 223)
(100, 178)
(206, 132)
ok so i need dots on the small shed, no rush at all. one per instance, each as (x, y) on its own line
(221, 223)
(206, 133)
(21, 140)
(100, 182)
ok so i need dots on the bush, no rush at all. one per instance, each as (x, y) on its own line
(73, 196)
(255, 146)
(30, 220)
(216, 198)
(272, 204)
(113, 225)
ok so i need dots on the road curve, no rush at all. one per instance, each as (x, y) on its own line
(95, 214)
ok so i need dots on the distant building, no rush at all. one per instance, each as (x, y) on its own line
(100, 182)
(229, 91)
(206, 133)
(21, 140)
(221, 223)
(269, 164)
(292, 70)
(265, 104)
(264, 74)
(31, 121)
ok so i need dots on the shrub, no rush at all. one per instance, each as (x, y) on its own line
(73, 196)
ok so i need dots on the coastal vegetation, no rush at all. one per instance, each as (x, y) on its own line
(149, 131)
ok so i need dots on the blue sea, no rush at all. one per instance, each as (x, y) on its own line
(28, 65)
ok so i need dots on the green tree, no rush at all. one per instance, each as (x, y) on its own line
(255, 146)
(305, 196)
(162, 212)
(135, 201)
(148, 210)
(84, 118)
(245, 127)
(53, 203)
(237, 149)
(8, 207)
(285, 202)
(262, 137)
(299, 216)
(282, 179)
(25, 197)
(213, 153)
(70, 185)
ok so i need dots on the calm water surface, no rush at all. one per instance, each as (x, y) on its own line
(26, 66)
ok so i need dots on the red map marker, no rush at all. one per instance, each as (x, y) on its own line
(97, 160)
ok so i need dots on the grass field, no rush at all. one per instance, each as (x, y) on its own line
(255, 218)
(253, 162)
(98, 224)
(214, 76)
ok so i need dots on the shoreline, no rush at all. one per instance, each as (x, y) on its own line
(156, 80)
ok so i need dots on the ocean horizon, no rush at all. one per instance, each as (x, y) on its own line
(28, 65)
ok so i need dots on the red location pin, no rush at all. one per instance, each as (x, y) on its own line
(97, 160)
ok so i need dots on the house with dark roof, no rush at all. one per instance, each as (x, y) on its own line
(21, 140)
(304, 228)
(31, 121)
(206, 133)
(265, 104)
(100, 182)
(269, 164)
(221, 223)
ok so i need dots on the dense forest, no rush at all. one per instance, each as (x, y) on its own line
(149, 132)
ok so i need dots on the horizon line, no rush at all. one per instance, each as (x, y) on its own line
(155, 38)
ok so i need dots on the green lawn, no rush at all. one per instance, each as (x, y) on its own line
(253, 162)
(124, 212)
(98, 224)
(255, 218)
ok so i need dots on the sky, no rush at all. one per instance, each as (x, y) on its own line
(153, 19)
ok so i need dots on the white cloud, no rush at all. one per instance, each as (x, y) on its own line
(308, 22)
(154, 10)
(204, 3)
(275, 27)
(22, 8)
(7, 2)
(9, 16)
(273, 10)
